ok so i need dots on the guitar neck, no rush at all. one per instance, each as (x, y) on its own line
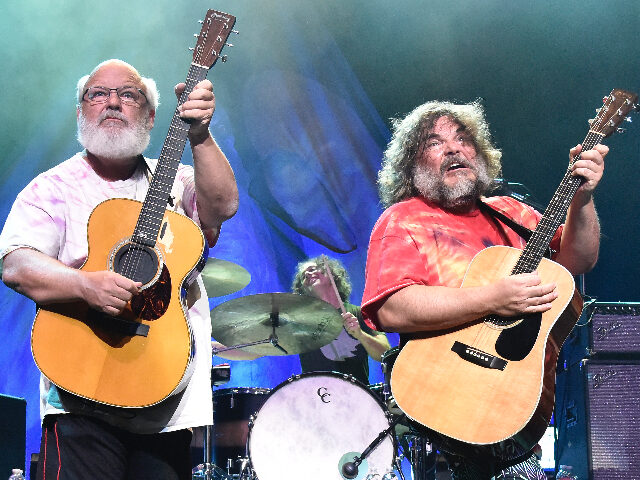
(154, 205)
(616, 106)
(555, 213)
(216, 28)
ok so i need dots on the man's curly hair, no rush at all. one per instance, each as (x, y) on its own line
(340, 275)
(395, 179)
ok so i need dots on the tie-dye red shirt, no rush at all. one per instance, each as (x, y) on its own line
(415, 242)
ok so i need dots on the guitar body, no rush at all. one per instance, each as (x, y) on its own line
(77, 348)
(474, 409)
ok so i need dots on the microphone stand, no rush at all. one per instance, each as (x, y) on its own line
(350, 469)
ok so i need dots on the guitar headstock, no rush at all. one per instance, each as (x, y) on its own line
(216, 28)
(616, 107)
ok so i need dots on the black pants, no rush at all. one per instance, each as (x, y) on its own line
(526, 468)
(75, 447)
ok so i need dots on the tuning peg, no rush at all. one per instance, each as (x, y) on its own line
(591, 120)
(236, 32)
(628, 119)
(636, 107)
(195, 35)
(191, 48)
(223, 58)
(598, 110)
(200, 21)
(620, 130)
(229, 44)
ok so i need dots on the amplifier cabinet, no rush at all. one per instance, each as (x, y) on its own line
(615, 329)
(605, 330)
(12, 433)
(598, 419)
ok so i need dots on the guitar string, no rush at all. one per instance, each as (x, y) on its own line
(172, 145)
(153, 209)
(134, 254)
(539, 242)
(135, 251)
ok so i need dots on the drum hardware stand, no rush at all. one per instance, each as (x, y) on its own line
(350, 469)
(245, 469)
(207, 472)
(208, 466)
(398, 465)
(273, 339)
(419, 449)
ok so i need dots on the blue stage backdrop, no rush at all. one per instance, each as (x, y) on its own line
(303, 108)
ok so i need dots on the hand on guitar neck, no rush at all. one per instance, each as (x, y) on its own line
(590, 167)
(216, 188)
(197, 110)
(581, 234)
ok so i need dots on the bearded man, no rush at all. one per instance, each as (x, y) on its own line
(437, 168)
(44, 242)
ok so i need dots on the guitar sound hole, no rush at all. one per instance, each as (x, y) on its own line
(136, 262)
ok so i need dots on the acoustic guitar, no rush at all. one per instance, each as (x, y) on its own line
(487, 388)
(144, 355)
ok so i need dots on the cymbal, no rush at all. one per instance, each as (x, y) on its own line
(303, 323)
(222, 277)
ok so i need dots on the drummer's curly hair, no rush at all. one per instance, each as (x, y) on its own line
(340, 275)
(395, 179)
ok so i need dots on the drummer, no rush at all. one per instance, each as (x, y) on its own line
(356, 342)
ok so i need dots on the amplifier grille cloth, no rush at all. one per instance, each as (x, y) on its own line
(615, 330)
(614, 426)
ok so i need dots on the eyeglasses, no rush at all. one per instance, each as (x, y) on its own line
(127, 95)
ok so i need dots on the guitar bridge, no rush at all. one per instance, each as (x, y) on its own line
(478, 357)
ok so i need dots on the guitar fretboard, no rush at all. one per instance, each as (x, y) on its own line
(616, 105)
(555, 213)
(152, 213)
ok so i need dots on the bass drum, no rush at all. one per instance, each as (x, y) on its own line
(314, 423)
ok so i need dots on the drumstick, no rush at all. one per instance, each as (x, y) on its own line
(333, 283)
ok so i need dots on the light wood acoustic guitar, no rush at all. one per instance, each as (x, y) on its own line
(144, 355)
(488, 388)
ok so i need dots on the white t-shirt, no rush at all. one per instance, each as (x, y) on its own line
(51, 215)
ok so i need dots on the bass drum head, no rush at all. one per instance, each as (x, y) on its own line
(310, 423)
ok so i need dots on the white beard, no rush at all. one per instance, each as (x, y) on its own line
(113, 142)
(463, 194)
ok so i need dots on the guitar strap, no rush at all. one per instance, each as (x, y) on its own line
(521, 230)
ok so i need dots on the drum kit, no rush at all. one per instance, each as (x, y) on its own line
(316, 425)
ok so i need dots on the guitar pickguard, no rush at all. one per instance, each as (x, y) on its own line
(153, 302)
(515, 343)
